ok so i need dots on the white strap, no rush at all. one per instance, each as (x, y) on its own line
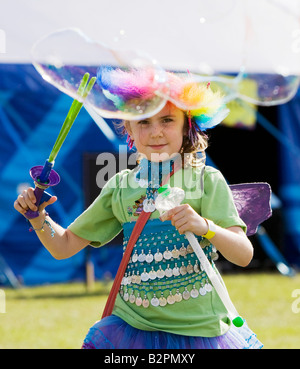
(212, 275)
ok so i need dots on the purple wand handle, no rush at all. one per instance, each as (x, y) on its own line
(53, 180)
(30, 214)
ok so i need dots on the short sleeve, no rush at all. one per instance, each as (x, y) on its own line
(217, 202)
(98, 223)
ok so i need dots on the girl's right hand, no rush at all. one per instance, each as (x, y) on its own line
(27, 200)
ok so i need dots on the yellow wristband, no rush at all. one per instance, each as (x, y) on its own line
(211, 229)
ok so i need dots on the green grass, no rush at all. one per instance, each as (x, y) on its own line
(58, 316)
(50, 317)
(265, 301)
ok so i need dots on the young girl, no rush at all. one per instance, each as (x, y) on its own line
(165, 299)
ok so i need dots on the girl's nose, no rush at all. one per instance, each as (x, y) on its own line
(157, 130)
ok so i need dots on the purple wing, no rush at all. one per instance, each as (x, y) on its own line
(252, 201)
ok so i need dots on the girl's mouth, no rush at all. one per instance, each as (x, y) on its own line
(157, 147)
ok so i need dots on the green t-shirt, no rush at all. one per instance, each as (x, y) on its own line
(119, 203)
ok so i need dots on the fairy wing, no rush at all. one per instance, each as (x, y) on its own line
(252, 201)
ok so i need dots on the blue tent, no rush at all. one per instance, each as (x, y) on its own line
(289, 118)
(31, 114)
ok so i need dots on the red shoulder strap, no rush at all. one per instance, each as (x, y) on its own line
(140, 223)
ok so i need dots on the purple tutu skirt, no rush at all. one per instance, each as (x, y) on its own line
(114, 333)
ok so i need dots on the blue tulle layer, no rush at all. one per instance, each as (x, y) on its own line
(113, 333)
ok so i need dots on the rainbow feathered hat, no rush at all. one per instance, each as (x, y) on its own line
(126, 88)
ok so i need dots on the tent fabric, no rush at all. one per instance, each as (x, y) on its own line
(289, 124)
(31, 115)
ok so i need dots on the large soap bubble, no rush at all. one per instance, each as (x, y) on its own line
(131, 85)
(255, 43)
(270, 89)
(271, 58)
(266, 89)
(63, 57)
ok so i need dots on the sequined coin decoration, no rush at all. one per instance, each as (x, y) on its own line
(126, 296)
(202, 291)
(186, 294)
(142, 257)
(162, 300)
(158, 256)
(149, 257)
(208, 287)
(171, 299)
(189, 249)
(178, 296)
(176, 271)
(144, 276)
(182, 251)
(194, 292)
(175, 253)
(138, 278)
(149, 205)
(154, 301)
(152, 274)
(135, 257)
(167, 254)
(133, 278)
(160, 273)
(190, 268)
(132, 298)
(138, 300)
(196, 267)
(168, 271)
(164, 270)
(183, 269)
(146, 303)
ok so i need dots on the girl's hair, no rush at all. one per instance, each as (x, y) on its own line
(194, 143)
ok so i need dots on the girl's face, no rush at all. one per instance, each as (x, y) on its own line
(160, 136)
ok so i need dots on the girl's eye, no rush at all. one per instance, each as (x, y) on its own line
(143, 122)
(167, 120)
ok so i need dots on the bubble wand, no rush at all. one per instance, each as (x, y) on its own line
(166, 200)
(45, 176)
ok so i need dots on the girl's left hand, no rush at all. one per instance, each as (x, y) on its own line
(184, 218)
